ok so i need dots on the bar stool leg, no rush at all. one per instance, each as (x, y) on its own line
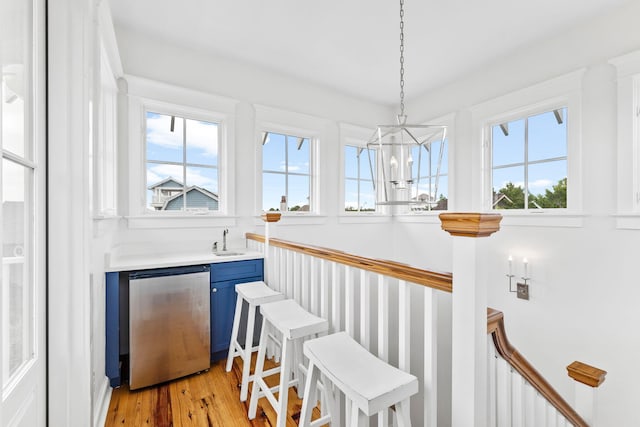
(257, 376)
(297, 367)
(248, 347)
(358, 418)
(234, 333)
(402, 414)
(285, 379)
(309, 401)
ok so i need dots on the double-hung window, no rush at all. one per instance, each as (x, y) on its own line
(359, 171)
(430, 172)
(182, 167)
(529, 161)
(286, 172)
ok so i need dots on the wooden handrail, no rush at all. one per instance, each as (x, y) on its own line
(495, 327)
(431, 279)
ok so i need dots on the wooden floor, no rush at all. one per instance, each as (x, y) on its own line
(208, 399)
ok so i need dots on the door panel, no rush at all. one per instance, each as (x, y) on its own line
(22, 146)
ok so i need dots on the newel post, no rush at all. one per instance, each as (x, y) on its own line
(588, 379)
(268, 217)
(469, 316)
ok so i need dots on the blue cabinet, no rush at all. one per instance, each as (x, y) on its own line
(224, 277)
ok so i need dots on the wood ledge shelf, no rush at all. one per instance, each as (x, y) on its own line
(586, 374)
(470, 224)
(271, 216)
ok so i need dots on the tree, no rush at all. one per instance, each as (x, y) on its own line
(509, 197)
(556, 198)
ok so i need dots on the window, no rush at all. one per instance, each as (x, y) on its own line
(431, 175)
(286, 172)
(181, 164)
(359, 193)
(529, 161)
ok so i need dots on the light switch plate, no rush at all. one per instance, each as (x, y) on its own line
(523, 291)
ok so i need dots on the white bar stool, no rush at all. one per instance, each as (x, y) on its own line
(292, 323)
(369, 384)
(255, 294)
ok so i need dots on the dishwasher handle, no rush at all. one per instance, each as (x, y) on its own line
(169, 271)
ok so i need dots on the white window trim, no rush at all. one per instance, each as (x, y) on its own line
(628, 127)
(269, 119)
(147, 95)
(432, 216)
(355, 136)
(563, 91)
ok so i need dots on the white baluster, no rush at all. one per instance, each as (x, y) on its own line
(313, 285)
(430, 355)
(383, 332)
(404, 326)
(324, 290)
(335, 298)
(529, 405)
(304, 282)
(539, 410)
(295, 277)
(349, 302)
(365, 310)
(517, 410)
(491, 382)
(503, 397)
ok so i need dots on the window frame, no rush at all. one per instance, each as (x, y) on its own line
(628, 148)
(150, 96)
(562, 91)
(526, 115)
(354, 136)
(184, 164)
(273, 120)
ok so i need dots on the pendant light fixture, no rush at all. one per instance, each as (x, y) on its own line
(404, 155)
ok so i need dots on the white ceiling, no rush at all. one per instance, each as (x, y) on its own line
(353, 45)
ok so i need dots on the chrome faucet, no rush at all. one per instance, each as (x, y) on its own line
(224, 239)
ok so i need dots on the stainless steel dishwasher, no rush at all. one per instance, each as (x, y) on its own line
(169, 324)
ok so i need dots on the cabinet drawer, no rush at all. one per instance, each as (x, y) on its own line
(236, 270)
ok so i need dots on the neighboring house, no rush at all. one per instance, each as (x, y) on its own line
(168, 196)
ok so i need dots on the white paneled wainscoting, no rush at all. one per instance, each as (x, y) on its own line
(392, 310)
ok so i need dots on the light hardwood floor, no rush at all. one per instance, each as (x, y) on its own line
(208, 399)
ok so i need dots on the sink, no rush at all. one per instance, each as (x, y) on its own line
(227, 253)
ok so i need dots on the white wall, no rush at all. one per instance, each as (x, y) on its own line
(584, 290)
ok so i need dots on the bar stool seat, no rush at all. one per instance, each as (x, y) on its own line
(287, 322)
(255, 294)
(369, 384)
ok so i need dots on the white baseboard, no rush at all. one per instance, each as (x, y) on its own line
(101, 404)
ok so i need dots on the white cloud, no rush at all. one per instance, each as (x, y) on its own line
(200, 135)
(158, 172)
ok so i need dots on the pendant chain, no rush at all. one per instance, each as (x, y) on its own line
(401, 57)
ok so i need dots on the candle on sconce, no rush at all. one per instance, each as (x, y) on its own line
(410, 166)
(510, 259)
(526, 264)
(394, 168)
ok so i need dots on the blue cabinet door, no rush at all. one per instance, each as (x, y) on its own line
(223, 304)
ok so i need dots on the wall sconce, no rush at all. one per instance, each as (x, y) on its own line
(522, 289)
(510, 274)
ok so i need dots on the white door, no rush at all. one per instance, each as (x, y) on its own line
(22, 184)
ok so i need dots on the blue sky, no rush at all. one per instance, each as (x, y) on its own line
(276, 149)
(164, 145)
(547, 139)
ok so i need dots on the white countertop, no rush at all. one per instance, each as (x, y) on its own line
(146, 261)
